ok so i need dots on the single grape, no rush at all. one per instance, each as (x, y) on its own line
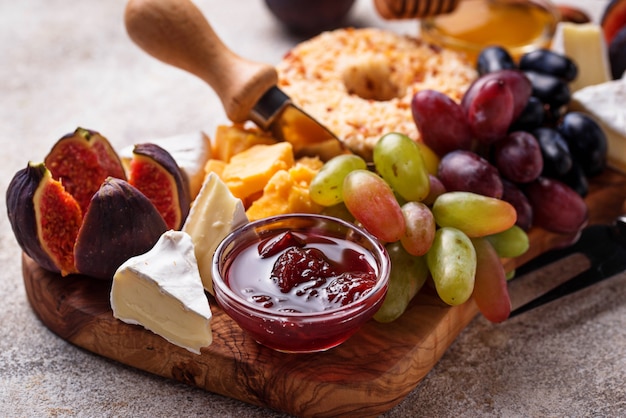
(557, 159)
(510, 243)
(511, 193)
(556, 206)
(532, 116)
(469, 172)
(420, 228)
(491, 292)
(431, 159)
(407, 276)
(494, 58)
(440, 121)
(399, 162)
(586, 140)
(372, 202)
(452, 264)
(549, 62)
(436, 189)
(551, 90)
(515, 80)
(326, 188)
(576, 179)
(490, 113)
(518, 157)
(476, 215)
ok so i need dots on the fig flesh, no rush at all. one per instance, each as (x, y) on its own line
(82, 160)
(121, 222)
(156, 174)
(44, 217)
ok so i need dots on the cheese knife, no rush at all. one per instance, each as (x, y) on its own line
(604, 248)
(177, 33)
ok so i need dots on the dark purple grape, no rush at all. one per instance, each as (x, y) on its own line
(576, 179)
(586, 140)
(441, 122)
(494, 58)
(617, 54)
(556, 207)
(514, 195)
(551, 90)
(532, 116)
(518, 157)
(467, 171)
(490, 113)
(557, 159)
(436, 189)
(548, 62)
(517, 82)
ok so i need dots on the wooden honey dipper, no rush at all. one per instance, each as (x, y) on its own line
(408, 9)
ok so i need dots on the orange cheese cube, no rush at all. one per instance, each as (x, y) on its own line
(248, 172)
(231, 140)
(286, 192)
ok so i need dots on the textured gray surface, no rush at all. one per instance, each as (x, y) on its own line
(68, 64)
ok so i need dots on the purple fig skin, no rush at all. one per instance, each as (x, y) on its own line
(165, 160)
(21, 212)
(120, 223)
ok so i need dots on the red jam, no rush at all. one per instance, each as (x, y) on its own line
(302, 272)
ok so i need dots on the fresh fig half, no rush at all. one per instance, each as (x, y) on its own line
(157, 175)
(44, 217)
(120, 223)
(82, 160)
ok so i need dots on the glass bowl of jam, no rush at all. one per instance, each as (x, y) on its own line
(519, 26)
(300, 283)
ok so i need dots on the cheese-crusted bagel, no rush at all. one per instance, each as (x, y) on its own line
(359, 82)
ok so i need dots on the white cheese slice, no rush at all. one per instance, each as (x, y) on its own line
(191, 151)
(214, 214)
(606, 103)
(162, 291)
(584, 43)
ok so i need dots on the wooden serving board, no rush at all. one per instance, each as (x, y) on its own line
(366, 376)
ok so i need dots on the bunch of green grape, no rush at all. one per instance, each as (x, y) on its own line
(457, 238)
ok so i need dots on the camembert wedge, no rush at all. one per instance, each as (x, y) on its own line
(162, 291)
(214, 214)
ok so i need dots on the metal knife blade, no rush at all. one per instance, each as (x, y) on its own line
(604, 246)
(176, 32)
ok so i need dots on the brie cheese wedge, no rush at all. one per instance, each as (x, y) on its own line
(214, 214)
(191, 151)
(162, 291)
(605, 103)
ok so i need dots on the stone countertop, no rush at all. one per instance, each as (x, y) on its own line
(65, 66)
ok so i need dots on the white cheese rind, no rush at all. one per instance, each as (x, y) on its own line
(191, 151)
(162, 291)
(606, 103)
(214, 214)
(584, 43)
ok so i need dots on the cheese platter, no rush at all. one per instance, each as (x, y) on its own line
(377, 367)
(367, 375)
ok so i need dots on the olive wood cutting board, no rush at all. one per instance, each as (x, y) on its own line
(366, 376)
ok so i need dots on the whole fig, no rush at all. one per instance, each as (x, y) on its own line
(120, 223)
(44, 217)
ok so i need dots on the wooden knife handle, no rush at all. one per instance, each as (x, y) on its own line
(177, 33)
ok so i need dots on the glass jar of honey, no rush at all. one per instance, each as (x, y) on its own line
(517, 25)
